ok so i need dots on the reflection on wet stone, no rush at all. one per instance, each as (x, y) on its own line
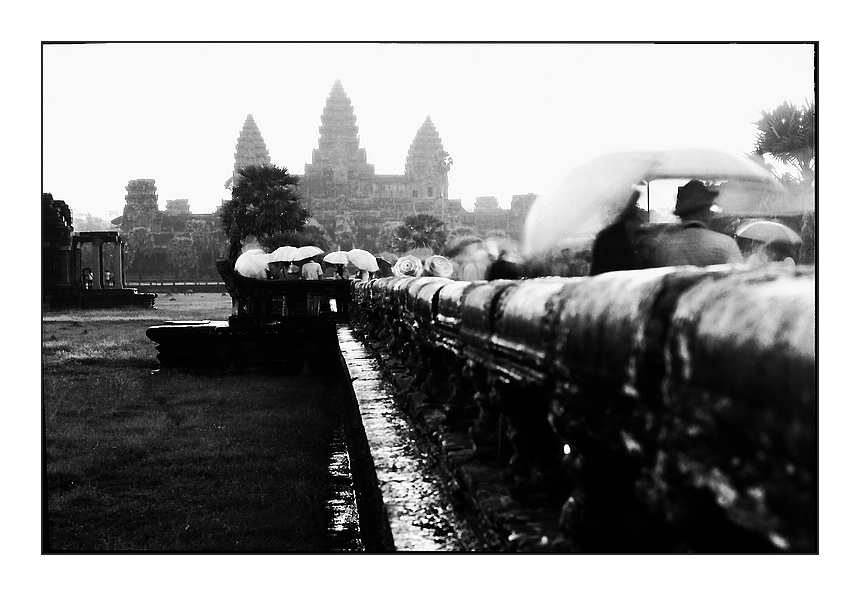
(420, 516)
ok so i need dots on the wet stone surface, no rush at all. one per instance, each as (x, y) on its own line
(344, 528)
(416, 501)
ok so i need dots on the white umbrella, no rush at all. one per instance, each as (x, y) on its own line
(338, 257)
(253, 263)
(438, 266)
(408, 265)
(596, 192)
(283, 253)
(767, 232)
(363, 259)
(305, 252)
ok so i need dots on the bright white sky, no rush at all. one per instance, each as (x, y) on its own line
(515, 118)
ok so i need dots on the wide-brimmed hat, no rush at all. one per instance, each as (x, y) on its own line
(694, 195)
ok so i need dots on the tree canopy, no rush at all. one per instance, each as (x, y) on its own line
(421, 230)
(787, 133)
(265, 201)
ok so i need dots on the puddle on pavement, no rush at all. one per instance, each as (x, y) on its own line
(419, 513)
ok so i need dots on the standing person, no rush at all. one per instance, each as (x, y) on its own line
(613, 248)
(312, 271)
(695, 243)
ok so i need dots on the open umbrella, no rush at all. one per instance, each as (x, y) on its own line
(438, 266)
(363, 259)
(408, 265)
(338, 257)
(283, 253)
(384, 266)
(768, 232)
(253, 263)
(388, 256)
(596, 192)
(305, 252)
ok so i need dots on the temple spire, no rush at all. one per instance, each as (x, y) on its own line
(427, 163)
(250, 149)
(339, 140)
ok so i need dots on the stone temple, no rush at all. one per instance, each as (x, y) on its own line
(345, 195)
(352, 202)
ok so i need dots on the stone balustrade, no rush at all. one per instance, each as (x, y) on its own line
(669, 409)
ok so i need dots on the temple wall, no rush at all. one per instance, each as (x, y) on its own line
(669, 410)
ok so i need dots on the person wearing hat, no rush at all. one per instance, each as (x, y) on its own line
(694, 243)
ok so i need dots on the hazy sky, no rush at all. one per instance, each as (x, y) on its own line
(515, 118)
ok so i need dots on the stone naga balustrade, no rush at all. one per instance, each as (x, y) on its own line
(669, 409)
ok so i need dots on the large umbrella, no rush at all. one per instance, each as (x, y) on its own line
(596, 192)
(305, 252)
(338, 257)
(363, 259)
(768, 232)
(283, 253)
(253, 263)
(408, 265)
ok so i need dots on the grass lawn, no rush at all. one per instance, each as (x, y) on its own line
(172, 460)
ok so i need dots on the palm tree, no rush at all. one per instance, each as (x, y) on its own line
(421, 230)
(787, 133)
(265, 202)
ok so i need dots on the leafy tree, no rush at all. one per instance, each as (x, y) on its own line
(787, 133)
(421, 230)
(181, 255)
(265, 201)
(139, 245)
(386, 237)
(205, 240)
(87, 222)
(310, 235)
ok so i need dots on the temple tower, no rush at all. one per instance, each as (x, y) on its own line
(427, 165)
(141, 205)
(339, 166)
(251, 149)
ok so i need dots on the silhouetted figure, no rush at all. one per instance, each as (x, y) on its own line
(502, 268)
(613, 248)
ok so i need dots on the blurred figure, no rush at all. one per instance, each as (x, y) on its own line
(694, 243)
(341, 272)
(276, 270)
(293, 272)
(87, 277)
(614, 249)
(384, 267)
(504, 267)
(764, 253)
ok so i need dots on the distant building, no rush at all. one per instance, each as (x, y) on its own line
(345, 195)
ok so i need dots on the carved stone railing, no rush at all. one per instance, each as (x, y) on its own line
(668, 409)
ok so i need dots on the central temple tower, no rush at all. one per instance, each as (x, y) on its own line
(338, 168)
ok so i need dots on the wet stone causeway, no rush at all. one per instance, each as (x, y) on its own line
(422, 513)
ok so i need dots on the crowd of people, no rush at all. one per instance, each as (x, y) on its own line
(692, 241)
(621, 245)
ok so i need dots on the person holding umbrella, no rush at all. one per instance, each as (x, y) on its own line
(695, 243)
(768, 242)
